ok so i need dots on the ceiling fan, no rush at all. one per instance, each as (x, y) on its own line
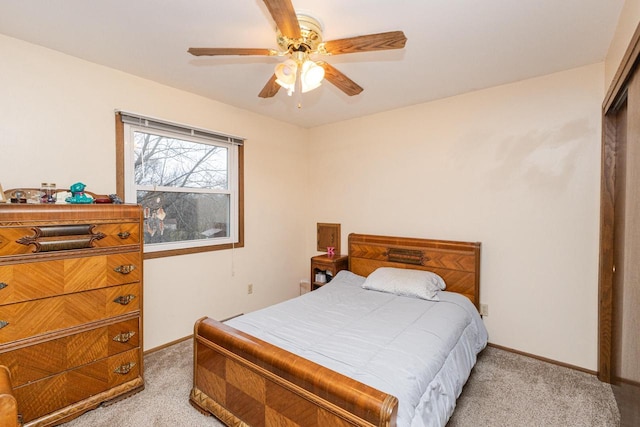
(299, 36)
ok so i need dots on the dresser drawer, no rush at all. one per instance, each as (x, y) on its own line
(48, 358)
(31, 318)
(32, 280)
(29, 239)
(123, 233)
(52, 393)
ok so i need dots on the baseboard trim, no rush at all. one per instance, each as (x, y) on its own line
(544, 359)
(169, 344)
(624, 381)
(179, 340)
(499, 347)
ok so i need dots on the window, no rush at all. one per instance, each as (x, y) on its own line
(188, 182)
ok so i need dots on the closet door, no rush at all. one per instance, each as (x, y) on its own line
(620, 242)
(626, 283)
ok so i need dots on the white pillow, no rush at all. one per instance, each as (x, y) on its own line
(406, 282)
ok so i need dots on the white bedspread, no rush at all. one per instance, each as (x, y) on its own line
(420, 351)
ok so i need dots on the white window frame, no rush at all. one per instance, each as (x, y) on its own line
(136, 123)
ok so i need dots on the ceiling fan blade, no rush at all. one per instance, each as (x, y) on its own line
(367, 43)
(270, 89)
(285, 17)
(338, 79)
(214, 51)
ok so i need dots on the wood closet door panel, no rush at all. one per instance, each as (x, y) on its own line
(37, 317)
(49, 394)
(27, 281)
(627, 276)
(619, 271)
(32, 363)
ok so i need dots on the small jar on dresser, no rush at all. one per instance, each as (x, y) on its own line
(70, 306)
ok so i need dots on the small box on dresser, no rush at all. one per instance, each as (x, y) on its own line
(70, 307)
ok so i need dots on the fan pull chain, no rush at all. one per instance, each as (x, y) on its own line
(298, 90)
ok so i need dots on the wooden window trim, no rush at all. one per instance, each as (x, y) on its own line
(120, 185)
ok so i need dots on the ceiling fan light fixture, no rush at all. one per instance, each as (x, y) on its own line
(286, 73)
(312, 75)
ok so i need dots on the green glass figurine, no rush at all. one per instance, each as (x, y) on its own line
(78, 195)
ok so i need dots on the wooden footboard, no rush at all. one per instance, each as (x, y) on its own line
(8, 404)
(243, 380)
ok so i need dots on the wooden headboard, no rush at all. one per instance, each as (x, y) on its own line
(458, 263)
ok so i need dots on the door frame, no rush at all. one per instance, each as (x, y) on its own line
(615, 97)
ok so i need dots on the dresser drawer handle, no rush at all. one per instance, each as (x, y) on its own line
(124, 235)
(124, 269)
(124, 299)
(124, 369)
(124, 336)
(62, 237)
(3, 285)
(3, 324)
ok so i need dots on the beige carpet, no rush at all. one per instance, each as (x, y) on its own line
(505, 389)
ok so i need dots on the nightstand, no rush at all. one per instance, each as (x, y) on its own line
(327, 266)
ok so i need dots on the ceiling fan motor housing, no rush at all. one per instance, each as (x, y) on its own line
(311, 36)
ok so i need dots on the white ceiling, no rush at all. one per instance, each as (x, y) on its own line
(453, 47)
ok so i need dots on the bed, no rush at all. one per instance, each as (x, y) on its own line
(343, 355)
(8, 404)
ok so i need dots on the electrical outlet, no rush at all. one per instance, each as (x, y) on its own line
(305, 286)
(484, 309)
(250, 288)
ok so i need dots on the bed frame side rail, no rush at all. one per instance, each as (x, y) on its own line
(8, 404)
(243, 380)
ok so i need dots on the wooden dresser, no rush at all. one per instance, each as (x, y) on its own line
(70, 307)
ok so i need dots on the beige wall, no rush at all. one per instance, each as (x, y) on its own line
(515, 167)
(58, 126)
(629, 18)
